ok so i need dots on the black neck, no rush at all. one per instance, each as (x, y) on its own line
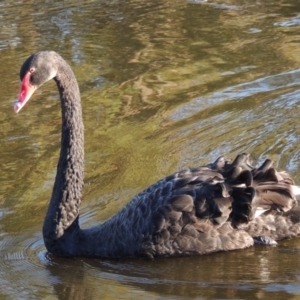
(61, 222)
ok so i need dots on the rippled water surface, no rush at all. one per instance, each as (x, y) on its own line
(165, 85)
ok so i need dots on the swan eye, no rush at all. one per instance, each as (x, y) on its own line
(32, 79)
(31, 75)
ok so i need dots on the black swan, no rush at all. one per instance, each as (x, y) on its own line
(218, 207)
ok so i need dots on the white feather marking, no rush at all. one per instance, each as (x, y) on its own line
(259, 211)
(296, 191)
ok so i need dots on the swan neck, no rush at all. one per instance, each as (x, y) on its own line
(61, 223)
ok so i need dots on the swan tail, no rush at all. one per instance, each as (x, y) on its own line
(221, 206)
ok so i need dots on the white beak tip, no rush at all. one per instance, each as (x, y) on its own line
(17, 106)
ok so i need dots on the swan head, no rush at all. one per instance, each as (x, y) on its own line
(35, 71)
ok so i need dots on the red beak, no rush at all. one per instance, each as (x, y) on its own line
(26, 92)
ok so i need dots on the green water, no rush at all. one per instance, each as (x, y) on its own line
(165, 85)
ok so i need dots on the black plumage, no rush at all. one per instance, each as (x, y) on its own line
(195, 211)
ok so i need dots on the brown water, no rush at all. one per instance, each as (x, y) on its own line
(165, 85)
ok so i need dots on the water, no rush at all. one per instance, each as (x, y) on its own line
(165, 85)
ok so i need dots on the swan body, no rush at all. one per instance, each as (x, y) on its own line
(218, 207)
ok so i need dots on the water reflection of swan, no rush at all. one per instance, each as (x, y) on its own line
(217, 207)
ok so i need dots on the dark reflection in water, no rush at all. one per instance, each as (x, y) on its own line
(165, 85)
(235, 275)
